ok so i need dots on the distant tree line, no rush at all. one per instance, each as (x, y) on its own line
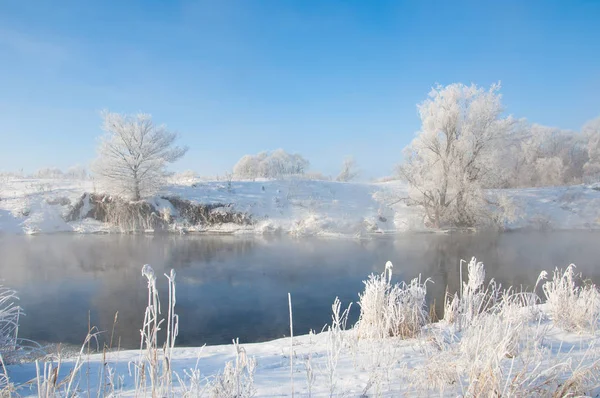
(76, 172)
(466, 147)
(276, 164)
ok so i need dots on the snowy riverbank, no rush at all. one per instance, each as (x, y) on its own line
(296, 207)
(509, 346)
(392, 368)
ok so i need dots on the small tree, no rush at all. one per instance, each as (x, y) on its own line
(349, 171)
(447, 162)
(133, 154)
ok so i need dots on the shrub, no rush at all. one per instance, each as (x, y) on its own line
(392, 310)
(573, 307)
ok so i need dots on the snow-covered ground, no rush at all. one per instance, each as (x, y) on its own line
(391, 367)
(514, 352)
(297, 207)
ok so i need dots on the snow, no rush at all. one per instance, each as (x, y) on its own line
(399, 361)
(294, 206)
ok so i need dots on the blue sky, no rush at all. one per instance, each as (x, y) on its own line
(323, 78)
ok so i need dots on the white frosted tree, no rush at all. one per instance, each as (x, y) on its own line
(591, 131)
(76, 172)
(448, 161)
(349, 171)
(247, 167)
(133, 155)
(49, 172)
(277, 164)
(547, 156)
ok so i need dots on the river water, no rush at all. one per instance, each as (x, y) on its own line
(229, 286)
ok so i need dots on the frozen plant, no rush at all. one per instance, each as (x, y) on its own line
(153, 365)
(335, 342)
(192, 384)
(462, 308)
(9, 324)
(392, 310)
(572, 306)
(237, 379)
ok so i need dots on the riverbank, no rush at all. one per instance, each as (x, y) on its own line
(512, 346)
(392, 368)
(295, 207)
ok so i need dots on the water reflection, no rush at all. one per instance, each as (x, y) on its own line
(237, 286)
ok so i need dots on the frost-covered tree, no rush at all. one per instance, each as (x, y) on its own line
(133, 154)
(49, 172)
(349, 171)
(76, 172)
(447, 163)
(247, 167)
(545, 156)
(277, 164)
(591, 131)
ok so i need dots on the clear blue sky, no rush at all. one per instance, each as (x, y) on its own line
(322, 78)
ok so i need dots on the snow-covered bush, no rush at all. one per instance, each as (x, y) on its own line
(392, 310)
(500, 350)
(187, 177)
(572, 306)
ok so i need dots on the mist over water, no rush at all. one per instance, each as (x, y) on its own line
(231, 287)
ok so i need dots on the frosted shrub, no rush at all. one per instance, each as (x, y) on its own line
(9, 324)
(392, 310)
(572, 307)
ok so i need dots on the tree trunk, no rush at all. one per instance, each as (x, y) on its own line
(136, 186)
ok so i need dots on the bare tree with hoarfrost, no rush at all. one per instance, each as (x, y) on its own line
(446, 165)
(133, 154)
(591, 131)
(349, 171)
(77, 172)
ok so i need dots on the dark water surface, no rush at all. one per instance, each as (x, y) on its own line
(231, 287)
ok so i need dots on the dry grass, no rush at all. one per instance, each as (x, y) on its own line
(573, 305)
(392, 310)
